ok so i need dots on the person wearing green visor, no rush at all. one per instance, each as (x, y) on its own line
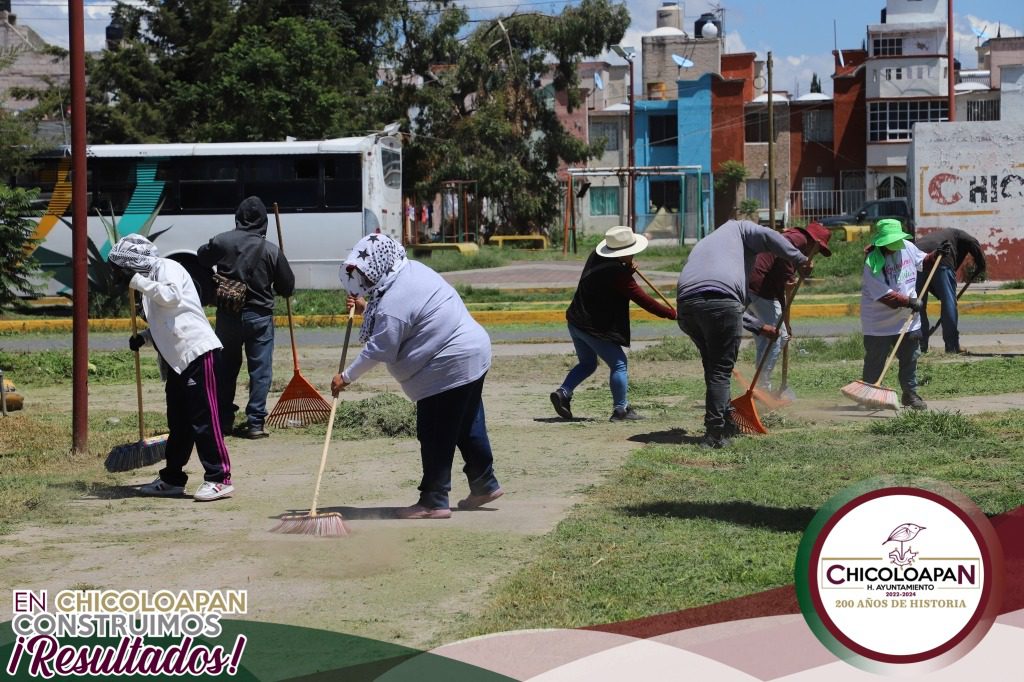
(889, 286)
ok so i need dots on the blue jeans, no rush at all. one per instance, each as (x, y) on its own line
(944, 287)
(877, 349)
(588, 349)
(768, 310)
(450, 419)
(254, 331)
(715, 323)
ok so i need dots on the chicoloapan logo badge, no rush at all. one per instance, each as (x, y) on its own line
(899, 576)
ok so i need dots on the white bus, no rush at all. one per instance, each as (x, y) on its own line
(330, 193)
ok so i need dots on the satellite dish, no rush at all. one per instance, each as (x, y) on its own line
(682, 62)
(598, 82)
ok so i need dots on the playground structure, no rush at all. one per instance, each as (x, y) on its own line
(690, 223)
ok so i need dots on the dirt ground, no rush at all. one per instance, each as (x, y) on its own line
(407, 582)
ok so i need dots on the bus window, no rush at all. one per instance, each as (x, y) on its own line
(111, 183)
(392, 161)
(343, 185)
(291, 182)
(209, 185)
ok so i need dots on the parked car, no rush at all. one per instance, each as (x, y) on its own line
(873, 211)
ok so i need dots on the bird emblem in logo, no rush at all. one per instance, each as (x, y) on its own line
(904, 532)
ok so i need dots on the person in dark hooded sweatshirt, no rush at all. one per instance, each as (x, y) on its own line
(244, 254)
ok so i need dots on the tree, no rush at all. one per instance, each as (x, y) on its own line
(815, 83)
(225, 70)
(16, 227)
(485, 118)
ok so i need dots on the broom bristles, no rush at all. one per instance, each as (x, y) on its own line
(137, 455)
(871, 395)
(331, 524)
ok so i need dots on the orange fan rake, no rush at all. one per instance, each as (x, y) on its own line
(744, 411)
(300, 404)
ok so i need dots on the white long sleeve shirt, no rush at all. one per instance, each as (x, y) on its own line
(425, 336)
(899, 275)
(177, 323)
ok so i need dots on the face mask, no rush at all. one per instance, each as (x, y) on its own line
(355, 282)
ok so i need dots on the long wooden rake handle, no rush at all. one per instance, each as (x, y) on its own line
(138, 364)
(334, 409)
(287, 299)
(782, 318)
(903, 330)
(654, 288)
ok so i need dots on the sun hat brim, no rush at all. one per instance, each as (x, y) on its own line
(890, 238)
(638, 245)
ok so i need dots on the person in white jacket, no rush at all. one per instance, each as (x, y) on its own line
(185, 340)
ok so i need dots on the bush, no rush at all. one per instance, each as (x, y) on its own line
(16, 228)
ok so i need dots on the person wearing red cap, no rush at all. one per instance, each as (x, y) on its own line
(768, 283)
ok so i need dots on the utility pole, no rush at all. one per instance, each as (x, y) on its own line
(629, 53)
(771, 149)
(79, 235)
(951, 77)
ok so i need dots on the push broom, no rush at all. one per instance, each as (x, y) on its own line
(744, 411)
(147, 450)
(300, 404)
(331, 524)
(875, 395)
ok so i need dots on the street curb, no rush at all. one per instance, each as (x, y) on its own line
(811, 310)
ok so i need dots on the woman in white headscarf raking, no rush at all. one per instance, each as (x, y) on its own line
(184, 339)
(415, 323)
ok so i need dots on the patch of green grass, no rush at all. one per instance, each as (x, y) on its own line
(849, 347)
(448, 261)
(669, 348)
(49, 367)
(1013, 284)
(931, 425)
(39, 474)
(679, 527)
(385, 415)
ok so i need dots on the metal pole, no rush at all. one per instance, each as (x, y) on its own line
(951, 79)
(632, 152)
(79, 235)
(771, 149)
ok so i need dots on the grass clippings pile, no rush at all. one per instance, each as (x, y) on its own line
(385, 415)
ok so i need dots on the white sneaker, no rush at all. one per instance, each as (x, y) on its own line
(213, 491)
(161, 488)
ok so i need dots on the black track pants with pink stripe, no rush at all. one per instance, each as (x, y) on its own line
(193, 420)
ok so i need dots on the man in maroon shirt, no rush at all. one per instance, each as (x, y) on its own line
(768, 282)
(599, 319)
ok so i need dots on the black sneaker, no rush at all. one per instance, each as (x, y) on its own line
(731, 430)
(625, 415)
(561, 402)
(712, 441)
(912, 400)
(250, 432)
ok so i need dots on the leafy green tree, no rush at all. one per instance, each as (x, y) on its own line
(16, 228)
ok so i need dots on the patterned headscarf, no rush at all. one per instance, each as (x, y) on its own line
(134, 252)
(380, 258)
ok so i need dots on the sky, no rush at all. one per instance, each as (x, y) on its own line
(799, 33)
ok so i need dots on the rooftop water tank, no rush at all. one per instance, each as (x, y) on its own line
(670, 14)
(712, 23)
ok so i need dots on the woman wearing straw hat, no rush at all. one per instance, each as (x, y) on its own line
(598, 319)
(415, 323)
(889, 284)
